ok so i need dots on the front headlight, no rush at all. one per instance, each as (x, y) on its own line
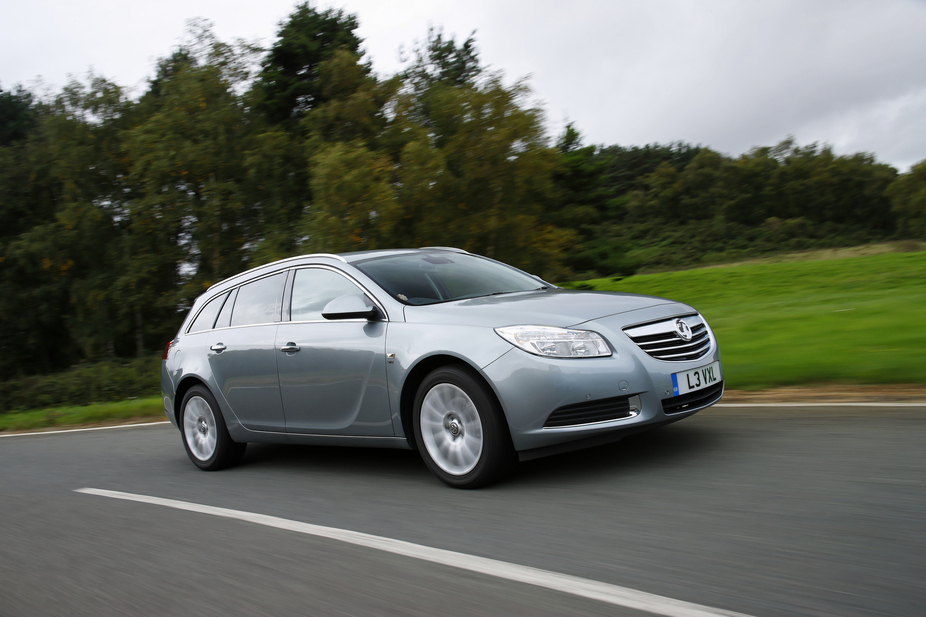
(556, 342)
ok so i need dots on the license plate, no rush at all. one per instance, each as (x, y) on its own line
(696, 379)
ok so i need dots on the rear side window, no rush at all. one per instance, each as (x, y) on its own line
(314, 288)
(224, 319)
(259, 302)
(206, 317)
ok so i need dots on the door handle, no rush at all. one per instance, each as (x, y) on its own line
(290, 348)
(218, 347)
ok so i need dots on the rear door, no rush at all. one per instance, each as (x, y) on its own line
(243, 357)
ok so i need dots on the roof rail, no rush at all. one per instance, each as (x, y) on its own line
(442, 248)
(278, 262)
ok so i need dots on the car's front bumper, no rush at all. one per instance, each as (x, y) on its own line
(531, 387)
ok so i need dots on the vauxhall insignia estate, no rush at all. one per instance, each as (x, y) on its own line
(471, 362)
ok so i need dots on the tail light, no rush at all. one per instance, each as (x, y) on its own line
(167, 349)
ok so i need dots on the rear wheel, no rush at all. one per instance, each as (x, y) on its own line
(460, 430)
(205, 436)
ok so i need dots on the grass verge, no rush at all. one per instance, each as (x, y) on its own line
(857, 320)
(150, 408)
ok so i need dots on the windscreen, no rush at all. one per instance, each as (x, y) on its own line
(428, 278)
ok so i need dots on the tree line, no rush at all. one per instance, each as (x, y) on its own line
(117, 211)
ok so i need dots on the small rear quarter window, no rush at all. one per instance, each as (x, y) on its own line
(206, 318)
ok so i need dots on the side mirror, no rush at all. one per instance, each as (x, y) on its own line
(351, 306)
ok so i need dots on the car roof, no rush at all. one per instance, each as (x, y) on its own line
(373, 254)
(351, 257)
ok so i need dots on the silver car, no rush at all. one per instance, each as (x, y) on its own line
(472, 362)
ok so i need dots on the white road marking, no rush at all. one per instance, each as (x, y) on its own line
(564, 583)
(82, 430)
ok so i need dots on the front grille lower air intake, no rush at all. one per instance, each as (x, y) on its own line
(664, 340)
(589, 412)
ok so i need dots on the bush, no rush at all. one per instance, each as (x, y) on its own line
(83, 384)
(603, 258)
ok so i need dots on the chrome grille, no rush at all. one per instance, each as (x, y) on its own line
(661, 339)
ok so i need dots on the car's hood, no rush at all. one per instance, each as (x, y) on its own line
(553, 307)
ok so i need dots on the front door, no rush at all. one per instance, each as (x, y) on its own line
(335, 383)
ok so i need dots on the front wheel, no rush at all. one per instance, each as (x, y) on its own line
(461, 432)
(205, 436)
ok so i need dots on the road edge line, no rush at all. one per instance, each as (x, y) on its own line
(564, 583)
(85, 429)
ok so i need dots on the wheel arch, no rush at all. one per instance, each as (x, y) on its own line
(182, 388)
(419, 372)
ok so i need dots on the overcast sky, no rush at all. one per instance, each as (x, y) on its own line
(730, 75)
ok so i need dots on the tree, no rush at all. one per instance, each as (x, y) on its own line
(187, 162)
(583, 195)
(627, 168)
(444, 156)
(288, 84)
(17, 116)
(475, 173)
(58, 271)
(908, 198)
(354, 103)
(751, 198)
(812, 182)
(274, 182)
(354, 207)
(440, 60)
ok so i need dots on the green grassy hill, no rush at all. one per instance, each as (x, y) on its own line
(856, 320)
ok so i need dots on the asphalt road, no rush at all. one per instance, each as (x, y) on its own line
(767, 512)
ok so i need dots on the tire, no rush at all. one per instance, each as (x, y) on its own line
(461, 433)
(205, 436)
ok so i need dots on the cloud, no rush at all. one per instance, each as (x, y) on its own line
(722, 73)
(893, 129)
(734, 75)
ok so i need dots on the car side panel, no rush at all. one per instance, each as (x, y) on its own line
(476, 346)
(246, 375)
(336, 382)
